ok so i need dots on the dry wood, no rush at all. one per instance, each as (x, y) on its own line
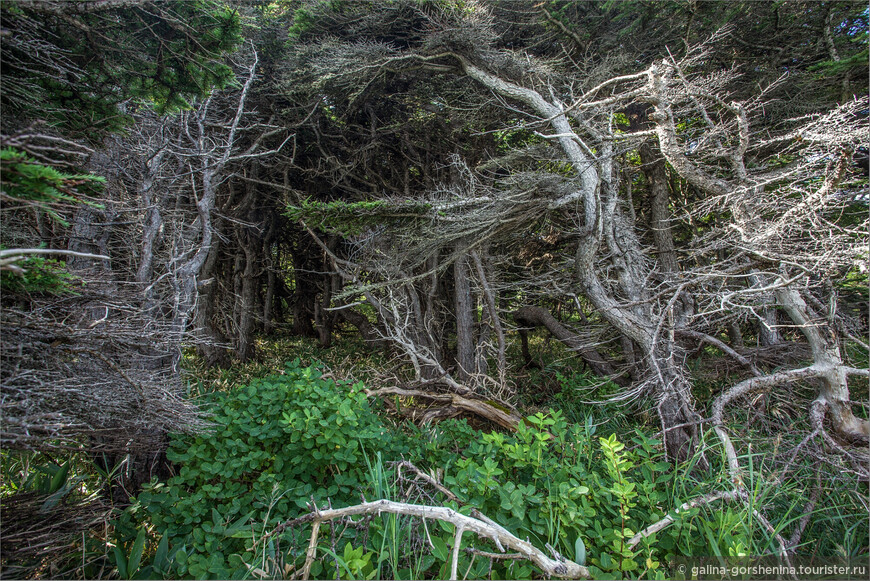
(499, 535)
(532, 316)
(478, 407)
(670, 518)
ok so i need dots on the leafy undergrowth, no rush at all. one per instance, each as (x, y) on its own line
(289, 441)
(580, 478)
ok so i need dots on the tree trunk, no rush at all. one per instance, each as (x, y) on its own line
(322, 317)
(267, 253)
(653, 167)
(489, 295)
(151, 228)
(826, 356)
(630, 358)
(660, 364)
(269, 300)
(465, 359)
(768, 333)
(210, 341)
(306, 261)
(735, 334)
(247, 299)
(366, 330)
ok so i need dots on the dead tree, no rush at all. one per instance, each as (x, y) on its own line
(784, 223)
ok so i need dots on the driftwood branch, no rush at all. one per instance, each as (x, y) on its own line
(475, 406)
(499, 535)
(449, 494)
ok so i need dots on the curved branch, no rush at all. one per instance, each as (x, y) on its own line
(670, 518)
(743, 388)
(570, 142)
(539, 317)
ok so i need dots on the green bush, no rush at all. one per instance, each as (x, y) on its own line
(552, 482)
(279, 442)
(27, 181)
(285, 440)
(40, 276)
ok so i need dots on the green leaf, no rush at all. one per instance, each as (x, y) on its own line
(136, 552)
(234, 529)
(160, 555)
(579, 551)
(439, 549)
(120, 562)
(181, 556)
(59, 478)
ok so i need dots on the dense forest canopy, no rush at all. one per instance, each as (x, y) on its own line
(486, 232)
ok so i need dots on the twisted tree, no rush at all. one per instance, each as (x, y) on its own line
(576, 172)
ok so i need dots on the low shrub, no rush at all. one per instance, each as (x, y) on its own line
(278, 443)
(287, 440)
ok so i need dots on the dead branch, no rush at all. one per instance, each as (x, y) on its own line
(480, 408)
(744, 388)
(531, 316)
(443, 490)
(671, 517)
(724, 348)
(10, 256)
(499, 535)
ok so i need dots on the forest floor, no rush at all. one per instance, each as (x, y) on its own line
(580, 478)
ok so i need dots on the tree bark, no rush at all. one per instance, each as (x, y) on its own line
(827, 358)
(305, 263)
(491, 300)
(210, 342)
(660, 214)
(248, 298)
(366, 330)
(768, 333)
(269, 265)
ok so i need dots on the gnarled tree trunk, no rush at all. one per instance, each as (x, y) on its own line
(828, 360)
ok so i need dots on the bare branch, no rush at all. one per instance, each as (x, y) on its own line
(499, 535)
